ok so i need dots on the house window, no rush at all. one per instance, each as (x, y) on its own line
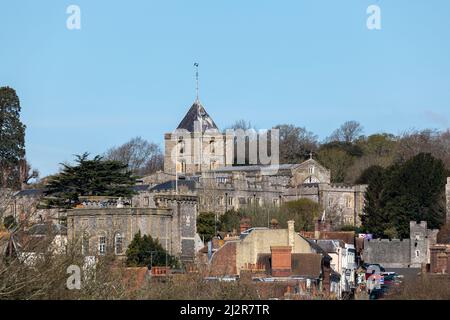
(417, 253)
(183, 166)
(311, 170)
(118, 244)
(230, 201)
(102, 245)
(147, 201)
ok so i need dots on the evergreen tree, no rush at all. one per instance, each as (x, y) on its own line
(96, 177)
(412, 191)
(12, 139)
(146, 251)
(206, 225)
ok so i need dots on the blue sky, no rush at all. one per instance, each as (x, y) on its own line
(129, 70)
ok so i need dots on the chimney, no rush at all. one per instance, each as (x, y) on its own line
(274, 224)
(291, 233)
(281, 261)
(321, 226)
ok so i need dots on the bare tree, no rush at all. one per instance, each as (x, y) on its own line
(347, 132)
(27, 173)
(241, 124)
(141, 156)
(295, 143)
(428, 141)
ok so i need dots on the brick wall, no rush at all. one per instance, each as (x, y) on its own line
(223, 262)
(281, 261)
(440, 259)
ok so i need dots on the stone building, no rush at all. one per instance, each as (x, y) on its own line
(402, 253)
(196, 145)
(250, 251)
(440, 258)
(199, 153)
(171, 220)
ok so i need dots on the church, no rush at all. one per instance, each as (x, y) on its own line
(199, 159)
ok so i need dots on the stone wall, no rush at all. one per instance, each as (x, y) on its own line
(172, 222)
(412, 252)
(389, 253)
(184, 222)
(223, 261)
(208, 149)
(422, 239)
(89, 224)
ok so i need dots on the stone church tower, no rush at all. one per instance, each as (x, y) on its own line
(196, 145)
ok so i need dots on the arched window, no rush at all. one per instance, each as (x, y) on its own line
(212, 147)
(118, 244)
(181, 145)
(102, 244)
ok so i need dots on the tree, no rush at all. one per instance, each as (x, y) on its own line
(141, 157)
(12, 138)
(347, 132)
(241, 124)
(230, 221)
(146, 251)
(303, 211)
(89, 177)
(206, 225)
(412, 191)
(370, 174)
(295, 143)
(426, 141)
(337, 160)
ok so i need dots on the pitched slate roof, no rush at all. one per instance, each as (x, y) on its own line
(306, 265)
(197, 113)
(29, 193)
(140, 187)
(171, 185)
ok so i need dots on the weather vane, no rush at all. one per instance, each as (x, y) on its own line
(196, 78)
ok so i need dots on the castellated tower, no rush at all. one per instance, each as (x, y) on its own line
(184, 223)
(447, 197)
(196, 145)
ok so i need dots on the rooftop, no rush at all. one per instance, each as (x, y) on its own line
(197, 113)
